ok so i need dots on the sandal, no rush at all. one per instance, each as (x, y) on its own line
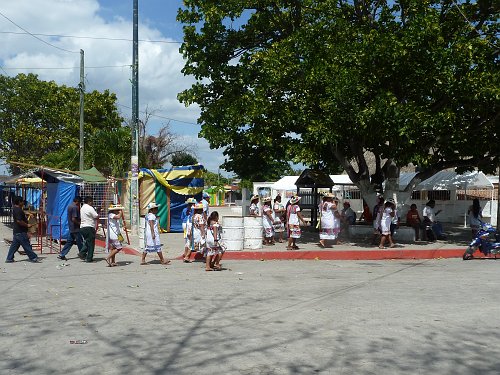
(209, 269)
(144, 264)
(289, 248)
(109, 262)
(295, 247)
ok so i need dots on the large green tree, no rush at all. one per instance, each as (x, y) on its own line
(39, 123)
(337, 83)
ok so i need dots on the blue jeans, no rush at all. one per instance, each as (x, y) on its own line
(73, 237)
(21, 239)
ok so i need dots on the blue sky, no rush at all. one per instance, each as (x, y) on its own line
(107, 61)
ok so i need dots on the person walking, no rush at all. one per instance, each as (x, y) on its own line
(115, 237)
(294, 218)
(330, 219)
(206, 205)
(279, 217)
(89, 217)
(20, 233)
(475, 217)
(186, 217)
(377, 216)
(267, 221)
(387, 215)
(215, 250)
(152, 234)
(74, 229)
(199, 229)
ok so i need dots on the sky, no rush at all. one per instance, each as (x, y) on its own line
(94, 25)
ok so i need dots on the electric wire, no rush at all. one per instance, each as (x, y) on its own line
(92, 37)
(70, 68)
(34, 36)
(162, 117)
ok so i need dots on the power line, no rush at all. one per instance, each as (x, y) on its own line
(70, 68)
(91, 37)
(34, 36)
(162, 117)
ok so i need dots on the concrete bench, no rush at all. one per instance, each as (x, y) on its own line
(402, 234)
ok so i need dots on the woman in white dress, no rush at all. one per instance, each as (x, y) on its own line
(152, 234)
(254, 207)
(388, 213)
(199, 229)
(294, 217)
(115, 237)
(279, 217)
(268, 222)
(330, 219)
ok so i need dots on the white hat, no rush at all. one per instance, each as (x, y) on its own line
(267, 199)
(295, 199)
(114, 207)
(152, 205)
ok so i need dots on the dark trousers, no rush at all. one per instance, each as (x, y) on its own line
(88, 235)
(72, 239)
(21, 239)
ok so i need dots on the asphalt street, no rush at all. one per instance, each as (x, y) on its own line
(436, 316)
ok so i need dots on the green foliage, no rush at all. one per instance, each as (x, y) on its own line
(214, 179)
(183, 158)
(39, 123)
(325, 83)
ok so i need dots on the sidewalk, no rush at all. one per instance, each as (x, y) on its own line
(356, 249)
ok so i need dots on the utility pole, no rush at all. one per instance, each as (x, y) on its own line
(82, 98)
(134, 188)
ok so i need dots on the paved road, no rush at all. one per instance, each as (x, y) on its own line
(272, 317)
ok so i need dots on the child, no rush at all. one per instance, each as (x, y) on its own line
(198, 229)
(115, 237)
(214, 248)
(254, 208)
(186, 217)
(385, 223)
(294, 217)
(152, 234)
(279, 217)
(267, 222)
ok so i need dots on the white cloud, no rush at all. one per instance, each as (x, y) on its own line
(160, 64)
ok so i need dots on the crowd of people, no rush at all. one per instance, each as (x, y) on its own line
(202, 230)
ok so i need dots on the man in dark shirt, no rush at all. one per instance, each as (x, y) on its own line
(74, 229)
(20, 231)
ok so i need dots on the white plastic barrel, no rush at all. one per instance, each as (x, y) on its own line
(253, 232)
(233, 232)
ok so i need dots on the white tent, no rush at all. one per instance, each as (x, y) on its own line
(448, 180)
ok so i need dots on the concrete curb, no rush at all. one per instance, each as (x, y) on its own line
(376, 254)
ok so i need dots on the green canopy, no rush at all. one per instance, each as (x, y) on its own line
(91, 175)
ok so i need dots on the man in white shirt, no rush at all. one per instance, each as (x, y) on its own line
(88, 216)
(206, 205)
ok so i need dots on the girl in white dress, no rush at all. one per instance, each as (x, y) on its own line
(279, 217)
(385, 223)
(215, 250)
(199, 229)
(294, 217)
(152, 234)
(330, 219)
(268, 222)
(115, 237)
(254, 208)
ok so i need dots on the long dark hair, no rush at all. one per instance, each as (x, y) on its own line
(476, 208)
(214, 216)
